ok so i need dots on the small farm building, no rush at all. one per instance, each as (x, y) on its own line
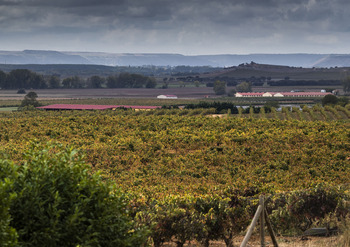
(249, 94)
(278, 95)
(267, 94)
(166, 96)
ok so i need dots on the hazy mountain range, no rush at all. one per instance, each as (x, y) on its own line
(142, 59)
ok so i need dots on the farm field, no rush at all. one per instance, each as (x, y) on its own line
(210, 152)
(134, 96)
(190, 92)
(6, 109)
(187, 169)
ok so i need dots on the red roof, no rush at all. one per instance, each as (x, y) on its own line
(251, 94)
(76, 107)
(92, 107)
(137, 106)
(304, 93)
(291, 94)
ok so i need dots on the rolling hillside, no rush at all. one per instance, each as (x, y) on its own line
(141, 59)
(276, 72)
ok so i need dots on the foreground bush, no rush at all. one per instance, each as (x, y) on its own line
(8, 236)
(59, 203)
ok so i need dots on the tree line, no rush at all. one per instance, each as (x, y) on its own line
(289, 82)
(26, 79)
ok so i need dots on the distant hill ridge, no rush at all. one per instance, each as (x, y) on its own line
(163, 59)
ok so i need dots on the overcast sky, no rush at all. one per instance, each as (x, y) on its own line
(177, 26)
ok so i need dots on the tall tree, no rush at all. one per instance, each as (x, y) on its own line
(2, 79)
(127, 80)
(151, 83)
(346, 84)
(219, 87)
(19, 78)
(112, 81)
(124, 80)
(37, 81)
(30, 100)
(244, 87)
(24, 78)
(73, 82)
(329, 99)
(54, 81)
(96, 81)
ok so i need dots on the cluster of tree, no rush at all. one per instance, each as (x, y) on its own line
(87, 70)
(271, 104)
(232, 81)
(21, 78)
(346, 84)
(26, 79)
(331, 99)
(126, 80)
(218, 106)
(257, 81)
(30, 100)
(289, 82)
(189, 78)
(183, 70)
(255, 109)
(244, 87)
(219, 87)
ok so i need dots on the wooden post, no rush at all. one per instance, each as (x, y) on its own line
(262, 214)
(262, 224)
(269, 227)
(251, 227)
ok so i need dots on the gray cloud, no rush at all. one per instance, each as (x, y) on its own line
(192, 26)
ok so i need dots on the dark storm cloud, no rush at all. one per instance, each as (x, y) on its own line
(217, 12)
(188, 21)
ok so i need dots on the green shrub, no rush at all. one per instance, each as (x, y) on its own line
(30, 100)
(21, 91)
(59, 203)
(8, 235)
(329, 99)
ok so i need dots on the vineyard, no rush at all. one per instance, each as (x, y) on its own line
(183, 169)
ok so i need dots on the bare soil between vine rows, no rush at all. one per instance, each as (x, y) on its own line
(282, 242)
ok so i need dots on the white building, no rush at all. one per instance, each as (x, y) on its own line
(166, 96)
(267, 94)
(278, 95)
(283, 94)
(249, 94)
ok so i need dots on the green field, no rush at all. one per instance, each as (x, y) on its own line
(7, 109)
